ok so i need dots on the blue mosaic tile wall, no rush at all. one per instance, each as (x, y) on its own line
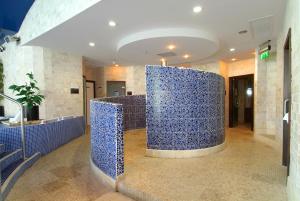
(107, 148)
(42, 138)
(184, 108)
(134, 110)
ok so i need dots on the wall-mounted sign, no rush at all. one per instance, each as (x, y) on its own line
(265, 55)
(74, 90)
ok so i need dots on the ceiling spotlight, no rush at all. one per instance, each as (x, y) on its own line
(112, 23)
(171, 47)
(197, 9)
(116, 65)
(92, 44)
(232, 49)
(186, 56)
(233, 59)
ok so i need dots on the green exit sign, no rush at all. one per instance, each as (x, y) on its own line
(265, 55)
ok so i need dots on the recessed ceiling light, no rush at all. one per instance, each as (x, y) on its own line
(232, 49)
(197, 9)
(186, 56)
(92, 44)
(171, 47)
(233, 59)
(112, 23)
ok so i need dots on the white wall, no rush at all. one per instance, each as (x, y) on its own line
(47, 14)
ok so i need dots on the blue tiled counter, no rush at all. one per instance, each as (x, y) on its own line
(184, 109)
(42, 138)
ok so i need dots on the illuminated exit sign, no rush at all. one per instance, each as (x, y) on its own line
(265, 55)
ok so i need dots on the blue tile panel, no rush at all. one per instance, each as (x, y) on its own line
(107, 147)
(42, 138)
(184, 108)
(134, 110)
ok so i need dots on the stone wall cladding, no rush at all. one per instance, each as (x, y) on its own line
(291, 20)
(185, 108)
(56, 73)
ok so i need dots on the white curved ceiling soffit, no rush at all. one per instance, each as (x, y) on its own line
(145, 28)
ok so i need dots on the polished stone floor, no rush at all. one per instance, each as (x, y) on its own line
(246, 170)
(63, 175)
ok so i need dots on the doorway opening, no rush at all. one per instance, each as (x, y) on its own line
(115, 88)
(241, 101)
(287, 95)
(90, 91)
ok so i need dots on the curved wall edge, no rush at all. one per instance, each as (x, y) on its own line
(102, 177)
(184, 153)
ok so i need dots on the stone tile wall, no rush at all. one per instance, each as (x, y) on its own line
(291, 20)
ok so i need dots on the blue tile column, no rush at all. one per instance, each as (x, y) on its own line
(184, 108)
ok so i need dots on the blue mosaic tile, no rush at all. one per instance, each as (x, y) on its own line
(109, 118)
(42, 138)
(184, 108)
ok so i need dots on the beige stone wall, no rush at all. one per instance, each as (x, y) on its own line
(265, 96)
(291, 20)
(62, 71)
(242, 67)
(55, 72)
(210, 67)
(134, 76)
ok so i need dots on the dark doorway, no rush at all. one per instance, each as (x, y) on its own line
(287, 102)
(241, 99)
(115, 88)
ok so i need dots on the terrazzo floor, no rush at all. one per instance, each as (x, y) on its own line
(246, 170)
(63, 175)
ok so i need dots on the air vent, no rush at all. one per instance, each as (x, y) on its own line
(262, 28)
(167, 54)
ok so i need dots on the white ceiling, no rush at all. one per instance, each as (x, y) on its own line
(146, 27)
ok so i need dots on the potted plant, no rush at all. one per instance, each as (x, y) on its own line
(29, 95)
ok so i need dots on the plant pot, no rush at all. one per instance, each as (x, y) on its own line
(1, 111)
(32, 113)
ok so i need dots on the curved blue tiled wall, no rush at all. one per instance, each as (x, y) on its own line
(134, 109)
(109, 117)
(184, 108)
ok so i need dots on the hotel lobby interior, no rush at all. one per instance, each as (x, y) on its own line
(106, 100)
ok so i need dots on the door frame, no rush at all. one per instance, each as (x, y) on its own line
(231, 98)
(287, 95)
(86, 102)
(94, 85)
(111, 81)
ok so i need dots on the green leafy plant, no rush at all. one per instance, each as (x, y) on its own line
(28, 94)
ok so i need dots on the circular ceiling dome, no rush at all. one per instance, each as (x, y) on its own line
(150, 46)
